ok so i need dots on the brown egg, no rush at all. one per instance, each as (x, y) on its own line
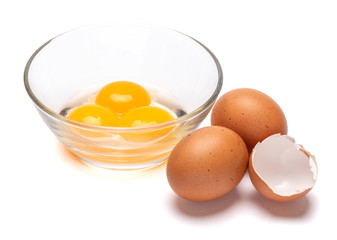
(207, 164)
(282, 170)
(250, 113)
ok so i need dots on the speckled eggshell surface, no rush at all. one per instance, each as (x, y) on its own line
(250, 113)
(207, 164)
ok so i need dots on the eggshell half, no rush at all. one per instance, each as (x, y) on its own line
(282, 170)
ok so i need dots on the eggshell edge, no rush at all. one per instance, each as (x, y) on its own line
(264, 189)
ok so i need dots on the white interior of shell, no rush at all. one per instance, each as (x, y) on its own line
(284, 166)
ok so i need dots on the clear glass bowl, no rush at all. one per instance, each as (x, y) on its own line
(76, 62)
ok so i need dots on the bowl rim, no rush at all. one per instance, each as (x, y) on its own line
(179, 120)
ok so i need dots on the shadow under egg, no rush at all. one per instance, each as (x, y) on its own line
(293, 209)
(207, 208)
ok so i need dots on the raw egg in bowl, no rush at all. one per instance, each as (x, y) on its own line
(120, 96)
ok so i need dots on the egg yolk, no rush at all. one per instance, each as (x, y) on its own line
(145, 116)
(95, 115)
(121, 96)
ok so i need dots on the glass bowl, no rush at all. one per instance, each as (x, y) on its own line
(179, 72)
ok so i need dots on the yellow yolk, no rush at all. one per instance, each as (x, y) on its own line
(95, 115)
(145, 116)
(121, 96)
(124, 104)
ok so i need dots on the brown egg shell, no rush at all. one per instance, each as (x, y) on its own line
(207, 164)
(263, 188)
(250, 113)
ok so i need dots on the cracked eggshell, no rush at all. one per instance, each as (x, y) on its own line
(282, 170)
(207, 164)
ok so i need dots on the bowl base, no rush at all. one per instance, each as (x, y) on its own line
(123, 166)
(121, 162)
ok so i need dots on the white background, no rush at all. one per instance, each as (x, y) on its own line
(287, 49)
